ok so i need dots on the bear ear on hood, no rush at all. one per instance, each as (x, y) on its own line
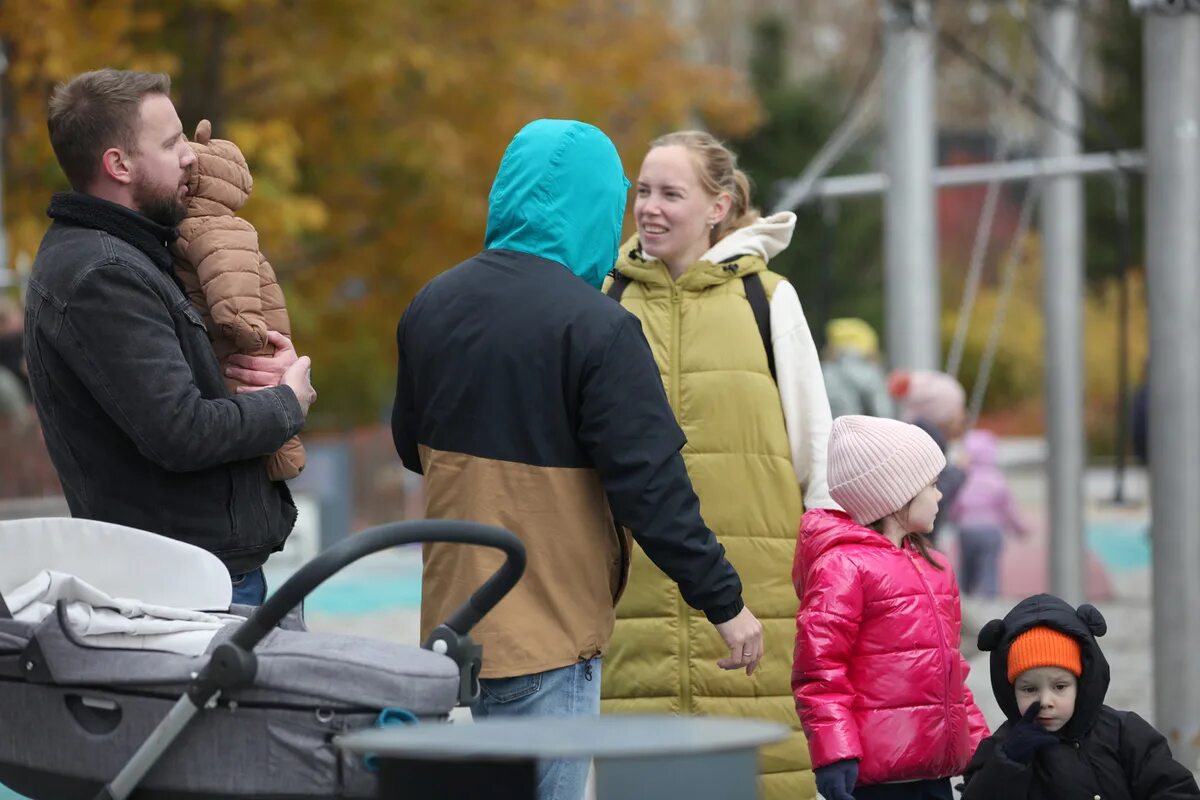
(991, 635)
(1094, 620)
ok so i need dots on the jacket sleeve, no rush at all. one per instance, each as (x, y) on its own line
(225, 253)
(831, 608)
(629, 431)
(802, 394)
(1152, 771)
(879, 401)
(977, 727)
(1012, 514)
(404, 416)
(134, 367)
(991, 775)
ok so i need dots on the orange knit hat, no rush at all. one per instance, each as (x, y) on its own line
(1044, 647)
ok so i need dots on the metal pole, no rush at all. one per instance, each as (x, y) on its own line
(1124, 259)
(1019, 169)
(1062, 302)
(1172, 75)
(6, 277)
(913, 306)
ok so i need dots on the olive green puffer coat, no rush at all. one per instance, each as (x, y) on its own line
(663, 654)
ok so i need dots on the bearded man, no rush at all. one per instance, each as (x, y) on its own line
(136, 414)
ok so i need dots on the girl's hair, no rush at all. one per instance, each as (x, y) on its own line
(917, 540)
(718, 170)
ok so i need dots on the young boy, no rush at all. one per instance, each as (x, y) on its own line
(1060, 740)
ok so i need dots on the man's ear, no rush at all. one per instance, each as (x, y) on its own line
(115, 164)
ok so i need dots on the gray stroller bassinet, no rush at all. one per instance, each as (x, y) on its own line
(253, 713)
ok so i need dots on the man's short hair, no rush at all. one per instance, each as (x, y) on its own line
(95, 111)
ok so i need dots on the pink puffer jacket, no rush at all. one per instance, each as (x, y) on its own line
(877, 674)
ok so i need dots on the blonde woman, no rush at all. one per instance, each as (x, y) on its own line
(744, 379)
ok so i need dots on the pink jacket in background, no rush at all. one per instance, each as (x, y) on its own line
(985, 501)
(877, 674)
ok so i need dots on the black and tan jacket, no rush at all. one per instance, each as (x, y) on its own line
(531, 401)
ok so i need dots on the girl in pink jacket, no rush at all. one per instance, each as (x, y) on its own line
(878, 679)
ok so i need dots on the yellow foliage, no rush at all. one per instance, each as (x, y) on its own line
(373, 129)
(1018, 375)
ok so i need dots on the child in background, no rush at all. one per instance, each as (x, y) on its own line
(984, 511)
(937, 404)
(1060, 741)
(878, 678)
(227, 278)
(855, 382)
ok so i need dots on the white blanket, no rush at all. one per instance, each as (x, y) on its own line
(104, 621)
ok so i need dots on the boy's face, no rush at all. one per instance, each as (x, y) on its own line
(1054, 688)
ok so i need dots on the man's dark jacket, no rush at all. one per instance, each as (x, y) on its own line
(137, 417)
(1102, 752)
(530, 400)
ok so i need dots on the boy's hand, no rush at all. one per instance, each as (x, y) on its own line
(1028, 737)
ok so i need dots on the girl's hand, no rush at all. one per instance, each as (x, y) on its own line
(836, 781)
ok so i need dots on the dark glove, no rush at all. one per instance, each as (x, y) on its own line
(836, 781)
(1027, 737)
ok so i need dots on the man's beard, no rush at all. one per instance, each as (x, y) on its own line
(165, 208)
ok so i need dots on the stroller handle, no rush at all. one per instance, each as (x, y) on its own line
(232, 664)
(383, 537)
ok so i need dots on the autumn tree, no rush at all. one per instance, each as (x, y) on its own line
(373, 128)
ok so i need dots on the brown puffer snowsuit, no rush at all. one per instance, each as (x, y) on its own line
(228, 279)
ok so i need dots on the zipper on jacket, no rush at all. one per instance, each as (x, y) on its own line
(676, 336)
(684, 611)
(937, 619)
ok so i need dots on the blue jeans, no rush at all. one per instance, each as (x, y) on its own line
(567, 691)
(979, 572)
(249, 589)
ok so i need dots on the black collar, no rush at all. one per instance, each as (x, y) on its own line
(88, 211)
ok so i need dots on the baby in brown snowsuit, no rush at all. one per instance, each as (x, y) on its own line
(228, 279)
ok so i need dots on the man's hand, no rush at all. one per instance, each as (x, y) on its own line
(744, 636)
(299, 380)
(262, 372)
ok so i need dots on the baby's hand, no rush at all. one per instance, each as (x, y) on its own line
(203, 132)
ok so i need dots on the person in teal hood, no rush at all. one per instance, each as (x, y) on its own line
(560, 195)
(531, 401)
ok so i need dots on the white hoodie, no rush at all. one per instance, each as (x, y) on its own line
(797, 363)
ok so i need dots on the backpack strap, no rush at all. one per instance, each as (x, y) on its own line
(617, 287)
(756, 295)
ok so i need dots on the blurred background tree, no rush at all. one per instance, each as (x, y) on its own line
(835, 258)
(373, 129)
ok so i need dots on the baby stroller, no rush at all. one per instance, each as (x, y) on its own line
(254, 713)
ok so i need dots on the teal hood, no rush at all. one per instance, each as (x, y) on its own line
(560, 194)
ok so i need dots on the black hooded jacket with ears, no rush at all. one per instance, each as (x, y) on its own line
(1103, 753)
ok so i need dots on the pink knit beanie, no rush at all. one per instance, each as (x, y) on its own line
(876, 466)
(934, 397)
